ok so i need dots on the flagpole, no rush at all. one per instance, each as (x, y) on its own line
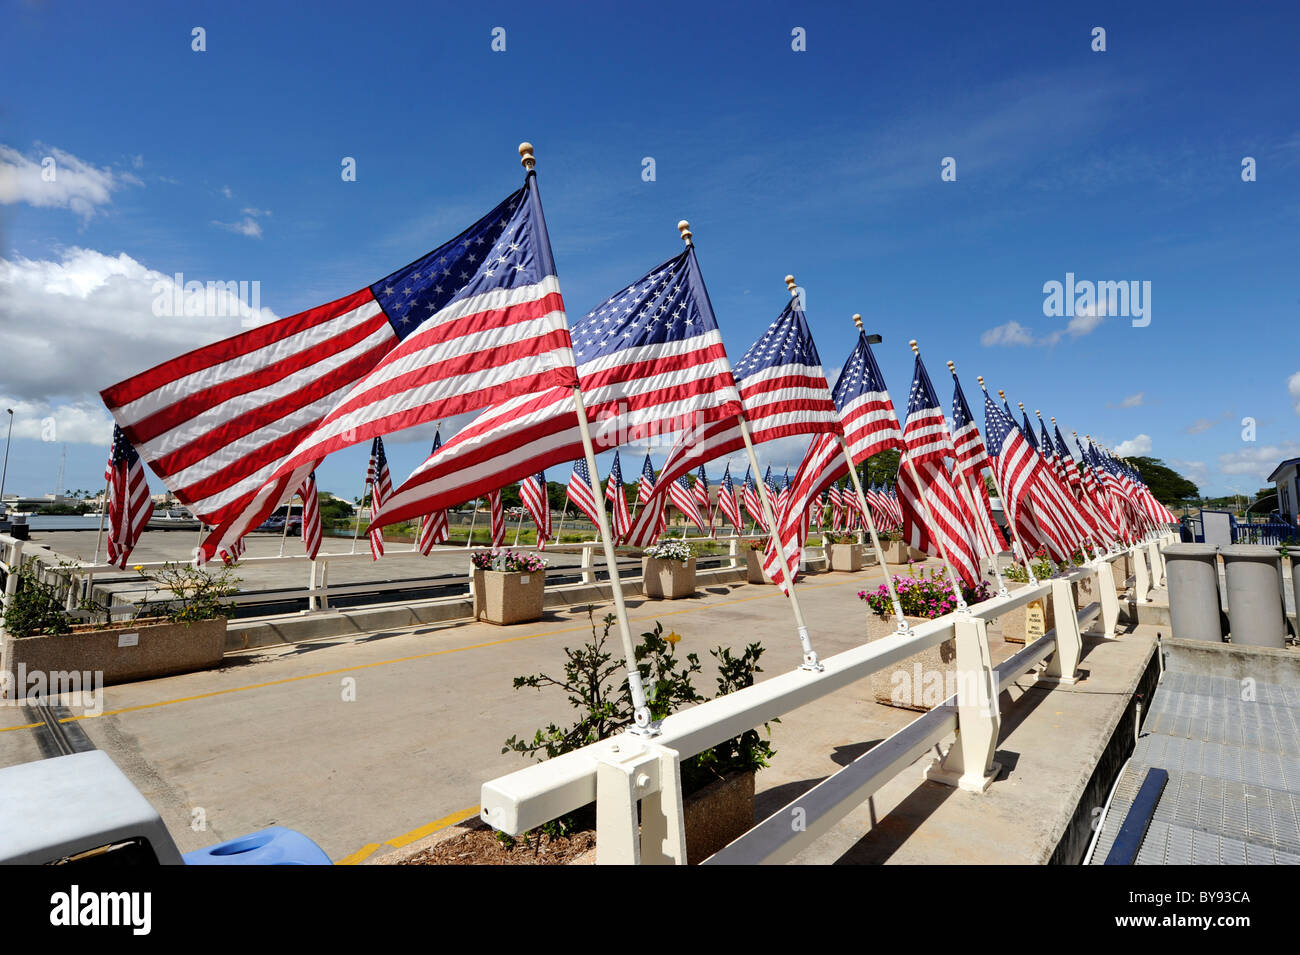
(472, 521)
(356, 531)
(99, 537)
(1006, 509)
(1056, 564)
(520, 528)
(929, 516)
(284, 533)
(564, 510)
(640, 709)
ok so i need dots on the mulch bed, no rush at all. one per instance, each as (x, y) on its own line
(481, 847)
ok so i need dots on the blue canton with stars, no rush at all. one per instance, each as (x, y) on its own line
(997, 425)
(961, 415)
(787, 341)
(861, 375)
(663, 306)
(502, 250)
(922, 397)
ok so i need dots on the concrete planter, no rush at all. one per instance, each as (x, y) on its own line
(1016, 624)
(120, 654)
(668, 579)
(921, 681)
(504, 598)
(754, 568)
(899, 553)
(846, 558)
(719, 813)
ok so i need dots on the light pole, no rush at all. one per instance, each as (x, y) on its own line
(5, 472)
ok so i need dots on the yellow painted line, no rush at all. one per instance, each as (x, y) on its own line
(407, 659)
(365, 852)
(429, 828)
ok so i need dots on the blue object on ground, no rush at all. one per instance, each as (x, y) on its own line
(274, 846)
(1129, 841)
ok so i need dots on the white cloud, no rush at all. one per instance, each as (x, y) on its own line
(1137, 445)
(57, 179)
(80, 421)
(1258, 462)
(1194, 471)
(1133, 401)
(225, 191)
(74, 326)
(247, 226)
(1012, 333)
(1293, 388)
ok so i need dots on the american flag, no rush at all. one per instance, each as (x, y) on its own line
(650, 360)
(311, 528)
(234, 427)
(701, 490)
(753, 505)
(1020, 476)
(498, 517)
(935, 520)
(580, 491)
(837, 508)
(532, 492)
(229, 555)
(646, 486)
(784, 393)
(381, 486)
(617, 497)
(434, 528)
(683, 498)
(129, 504)
(972, 459)
(869, 427)
(727, 502)
(1107, 491)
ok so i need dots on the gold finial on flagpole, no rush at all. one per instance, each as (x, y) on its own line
(915, 351)
(1039, 414)
(526, 157)
(684, 228)
(1021, 405)
(1053, 421)
(789, 283)
(952, 367)
(980, 379)
(857, 320)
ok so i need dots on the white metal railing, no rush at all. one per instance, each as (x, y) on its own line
(622, 771)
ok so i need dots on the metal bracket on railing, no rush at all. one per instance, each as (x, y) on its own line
(810, 661)
(631, 773)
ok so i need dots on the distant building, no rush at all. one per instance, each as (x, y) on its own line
(1287, 480)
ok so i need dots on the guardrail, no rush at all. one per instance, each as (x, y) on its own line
(73, 576)
(630, 769)
(1271, 532)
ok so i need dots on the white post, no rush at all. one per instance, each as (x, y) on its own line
(1063, 665)
(99, 537)
(969, 763)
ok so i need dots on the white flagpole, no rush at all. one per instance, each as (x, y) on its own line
(284, 533)
(356, 531)
(641, 712)
(519, 530)
(976, 506)
(99, 538)
(472, 521)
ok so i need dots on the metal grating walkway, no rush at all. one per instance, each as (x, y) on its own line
(1233, 796)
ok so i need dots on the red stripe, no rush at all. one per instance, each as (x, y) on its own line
(192, 405)
(124, 392)
(230, 432)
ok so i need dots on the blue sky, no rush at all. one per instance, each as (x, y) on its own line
(1116, 165)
